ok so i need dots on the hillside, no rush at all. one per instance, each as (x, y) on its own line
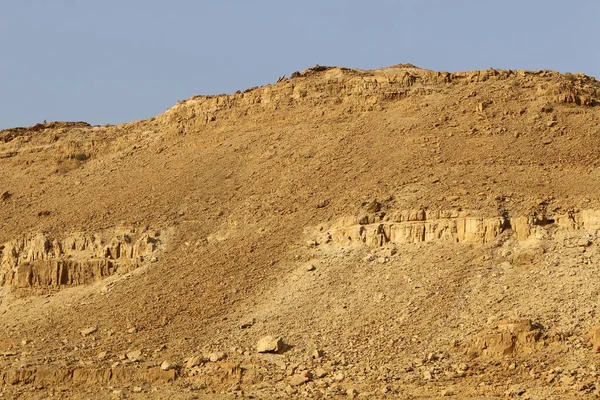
(406, 233)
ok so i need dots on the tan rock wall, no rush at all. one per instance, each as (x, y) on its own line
(415, 226)
(80, 258)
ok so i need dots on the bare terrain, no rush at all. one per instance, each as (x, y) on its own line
(342, 233)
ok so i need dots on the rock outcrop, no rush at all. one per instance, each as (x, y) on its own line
(77, 259)
(414, 226)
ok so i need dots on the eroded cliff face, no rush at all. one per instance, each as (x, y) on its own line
(415, 226)
(42, 261)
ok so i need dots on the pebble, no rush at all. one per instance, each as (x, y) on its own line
(88, 331)
(339, 377)
(248, 323)
(216, 356)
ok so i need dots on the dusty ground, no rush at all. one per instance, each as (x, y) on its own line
(406, 233)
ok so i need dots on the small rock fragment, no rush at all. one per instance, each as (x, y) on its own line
(298, 379)
(134, 356)
(102, 356)
(165, 366)
(339, 377)
(320, 373)
(248, 323)
(216, 356)
(88, 331)
(323, 203)
(269, 344)
(194, 361)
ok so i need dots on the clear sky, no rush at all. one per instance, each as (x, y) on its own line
(115, 61)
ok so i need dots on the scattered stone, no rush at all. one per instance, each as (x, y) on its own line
(216, 356)
(316, 354)
(25, 342)
(339, 377)
(269, 344)
(567, 380)
(298, 379)
(131, 330)
(88, 331)
(310, 267)
(388, 251)
(448, 392)
(248, 323)
(427, 375)
(5, 196)
(102, 356)
(594, 337)
(320, 373)
(194, 361)
(165, 366)
(134, 356)
(373, 207)
(312, 243)
(137, 389)
(514, 391)
(322, 203)
(9, 354)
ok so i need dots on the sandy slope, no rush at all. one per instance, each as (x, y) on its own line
(246, 199)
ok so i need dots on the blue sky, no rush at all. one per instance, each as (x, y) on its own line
(116, 61)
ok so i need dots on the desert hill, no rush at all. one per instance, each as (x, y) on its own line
(405, 232)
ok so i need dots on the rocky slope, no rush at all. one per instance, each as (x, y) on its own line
(403, 232)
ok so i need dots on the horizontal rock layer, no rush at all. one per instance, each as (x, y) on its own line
(80, 258)
(414, 226)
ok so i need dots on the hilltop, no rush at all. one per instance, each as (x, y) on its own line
(405, 232)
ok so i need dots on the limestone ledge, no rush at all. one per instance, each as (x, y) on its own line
(415, 226)
(365, 90)
(80, 258)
